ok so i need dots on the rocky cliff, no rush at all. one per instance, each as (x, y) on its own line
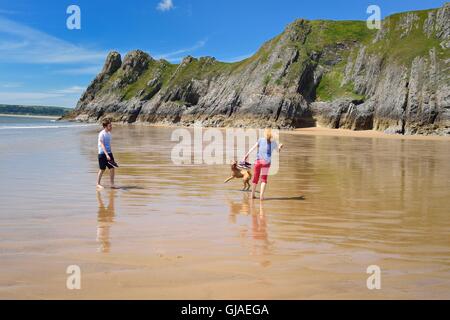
(338, 74)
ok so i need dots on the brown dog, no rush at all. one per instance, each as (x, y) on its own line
(243, 174)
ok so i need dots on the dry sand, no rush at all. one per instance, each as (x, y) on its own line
(321, 131)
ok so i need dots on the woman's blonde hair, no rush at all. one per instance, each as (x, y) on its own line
(268, 134)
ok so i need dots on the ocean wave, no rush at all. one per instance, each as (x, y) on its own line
(45, 126)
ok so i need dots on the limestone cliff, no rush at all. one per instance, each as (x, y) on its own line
(338, 74)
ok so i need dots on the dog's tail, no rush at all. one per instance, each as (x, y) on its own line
(229, 179)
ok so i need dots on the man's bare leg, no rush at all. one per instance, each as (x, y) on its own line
(111, 176)
(99, 179)
(263, 188)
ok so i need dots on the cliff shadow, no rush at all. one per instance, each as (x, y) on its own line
(306, 120)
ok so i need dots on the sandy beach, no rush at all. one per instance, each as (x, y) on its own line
(337, 205)
(321, 131)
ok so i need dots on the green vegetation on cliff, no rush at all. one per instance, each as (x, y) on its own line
(315, 35)
(33, 110)
(403, 38)
(320, 42)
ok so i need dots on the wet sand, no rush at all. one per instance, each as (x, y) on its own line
(338, 205)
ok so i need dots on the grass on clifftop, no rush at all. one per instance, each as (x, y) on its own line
(162, 69)
(199, 69)
(404, 49)
(327, 34)
(324, 33)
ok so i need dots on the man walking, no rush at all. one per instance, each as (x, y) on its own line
(105, 156)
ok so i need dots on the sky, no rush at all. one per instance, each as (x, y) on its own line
(43, 62)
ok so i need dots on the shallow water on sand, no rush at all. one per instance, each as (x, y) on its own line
(337, 206)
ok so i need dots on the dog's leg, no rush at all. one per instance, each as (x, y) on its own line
(248, 177)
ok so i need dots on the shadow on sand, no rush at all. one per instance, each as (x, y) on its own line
(299, 198)
(128, 188)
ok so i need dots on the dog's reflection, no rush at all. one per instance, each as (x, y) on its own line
(105, 219)
(255, 229)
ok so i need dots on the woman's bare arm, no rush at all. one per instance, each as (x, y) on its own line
(250, 151)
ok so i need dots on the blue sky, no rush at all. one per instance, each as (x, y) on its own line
(43, 62)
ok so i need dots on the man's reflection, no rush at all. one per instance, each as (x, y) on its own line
(105, 219)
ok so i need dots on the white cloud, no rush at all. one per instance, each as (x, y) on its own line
(66, 97)
(178, 54)
(13, 97)
(21, 43)
(71, 90)
(89, 70)
(11, 84)
(2, 11)
(12, 45)
(165, 5)
(238, 58)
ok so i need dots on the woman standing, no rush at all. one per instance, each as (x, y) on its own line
(265, 147)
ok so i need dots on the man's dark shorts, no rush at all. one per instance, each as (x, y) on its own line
(103, 161)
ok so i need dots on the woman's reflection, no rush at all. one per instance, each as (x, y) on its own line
(105, 219)
(258, 235)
